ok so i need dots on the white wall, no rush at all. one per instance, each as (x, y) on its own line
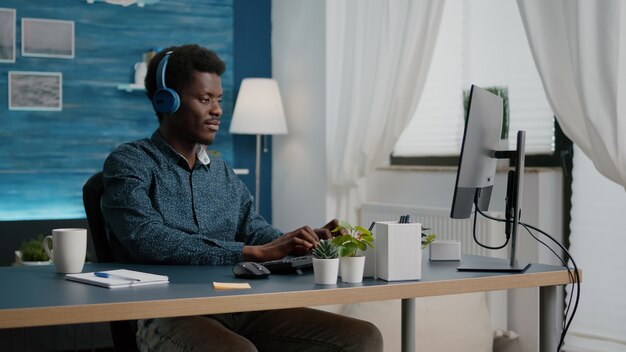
(298, 159)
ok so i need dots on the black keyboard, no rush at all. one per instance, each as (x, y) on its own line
(290, 265)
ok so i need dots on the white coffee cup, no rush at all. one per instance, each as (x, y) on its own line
(69, 249)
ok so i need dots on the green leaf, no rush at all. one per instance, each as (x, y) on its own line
(363, 230)
(428, 240)
(367, 238)
(346, 225)
(348, 250)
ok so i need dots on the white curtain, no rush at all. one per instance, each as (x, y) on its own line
(579, 48)
(378, 55)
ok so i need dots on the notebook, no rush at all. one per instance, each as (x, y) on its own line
(118, 278)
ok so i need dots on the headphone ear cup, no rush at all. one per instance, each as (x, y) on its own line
(166, 101)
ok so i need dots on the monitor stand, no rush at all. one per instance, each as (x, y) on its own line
(493, 264)
(513, 212)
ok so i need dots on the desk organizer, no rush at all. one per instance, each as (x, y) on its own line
(398, 251)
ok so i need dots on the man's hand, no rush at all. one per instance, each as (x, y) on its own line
(324, 232)
(297, 242)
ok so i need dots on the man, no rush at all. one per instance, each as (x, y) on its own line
(166, 201)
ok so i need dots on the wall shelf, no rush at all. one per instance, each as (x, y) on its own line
(241, 171)
(140, 3)
(131, 87)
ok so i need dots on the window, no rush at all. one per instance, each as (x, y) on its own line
(483, 43)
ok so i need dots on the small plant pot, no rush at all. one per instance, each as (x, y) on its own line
(20, 261)
(352, 269)
(325, 271)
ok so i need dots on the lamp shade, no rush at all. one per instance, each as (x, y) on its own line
(259, 108)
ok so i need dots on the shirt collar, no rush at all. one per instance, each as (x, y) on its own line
(160, 142)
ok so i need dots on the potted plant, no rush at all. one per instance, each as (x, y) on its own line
(427, 238)
(325, 263)
(349, 240)
(31, 252)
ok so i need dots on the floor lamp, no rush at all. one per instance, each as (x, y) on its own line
(259, 111)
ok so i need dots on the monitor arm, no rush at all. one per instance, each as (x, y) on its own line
(514, 190)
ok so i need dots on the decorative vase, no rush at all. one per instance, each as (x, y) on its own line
(325, 271)
(352, 269)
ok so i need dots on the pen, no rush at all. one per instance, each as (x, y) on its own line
(114, 276)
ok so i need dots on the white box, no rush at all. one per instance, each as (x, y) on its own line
(440, 250)
(398, 251)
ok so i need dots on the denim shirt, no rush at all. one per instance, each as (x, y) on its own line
(157, 210)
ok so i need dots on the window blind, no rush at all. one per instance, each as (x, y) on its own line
(480, 42)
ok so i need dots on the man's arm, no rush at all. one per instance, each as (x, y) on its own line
(264, 242)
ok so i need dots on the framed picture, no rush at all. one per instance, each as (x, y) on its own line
(7, 35)
(38, 91)
(47, 38)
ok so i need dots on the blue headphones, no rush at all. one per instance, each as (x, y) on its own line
(164, 100)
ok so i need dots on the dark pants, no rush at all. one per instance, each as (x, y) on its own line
(298, 329)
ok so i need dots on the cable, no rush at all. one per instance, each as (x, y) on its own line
(484, 245)
(569, 273)
(574, 278)
(474, 230)
(576, 285)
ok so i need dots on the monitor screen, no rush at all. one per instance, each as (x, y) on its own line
(477, 162)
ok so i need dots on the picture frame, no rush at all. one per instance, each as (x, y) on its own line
(35, 91)
(7, 35)
(47, 38)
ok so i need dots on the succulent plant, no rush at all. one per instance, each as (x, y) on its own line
(325, 250)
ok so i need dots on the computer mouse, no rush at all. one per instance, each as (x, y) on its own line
(250, 270)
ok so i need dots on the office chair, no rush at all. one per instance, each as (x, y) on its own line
(123, 332)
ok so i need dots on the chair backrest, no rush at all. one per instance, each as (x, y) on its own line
(122, 332)
(92, 194)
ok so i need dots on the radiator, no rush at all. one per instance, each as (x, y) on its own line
(438, 220)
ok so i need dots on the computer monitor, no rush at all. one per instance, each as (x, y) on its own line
(477, 170)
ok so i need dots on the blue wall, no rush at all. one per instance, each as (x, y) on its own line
(253, 58)
(45, 157)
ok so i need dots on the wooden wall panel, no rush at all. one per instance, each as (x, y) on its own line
(45, 157)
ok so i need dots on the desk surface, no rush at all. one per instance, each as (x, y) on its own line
(35, 296)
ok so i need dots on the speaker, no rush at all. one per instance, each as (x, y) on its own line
(164, 100)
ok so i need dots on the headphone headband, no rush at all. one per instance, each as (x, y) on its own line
(165, 100)
(161, 70)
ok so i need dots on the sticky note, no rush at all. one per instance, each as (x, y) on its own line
(231, 285)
